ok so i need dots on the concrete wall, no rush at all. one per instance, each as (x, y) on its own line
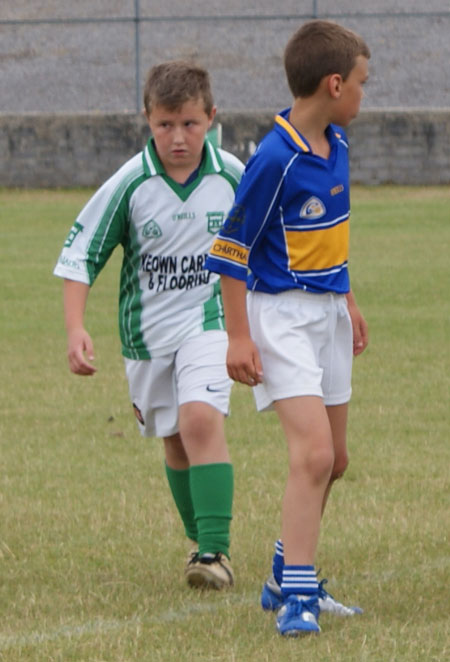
(59, 150)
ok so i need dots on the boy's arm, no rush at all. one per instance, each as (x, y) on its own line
(80, 349)
(243, 362)
(359, 324)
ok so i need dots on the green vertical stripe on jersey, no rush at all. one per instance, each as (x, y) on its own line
(130, 302)
(111, 229)
(213, 315)
(114, 228)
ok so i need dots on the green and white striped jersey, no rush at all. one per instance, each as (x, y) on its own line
(166, 231)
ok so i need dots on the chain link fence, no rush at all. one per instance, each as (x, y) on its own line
(92, 55)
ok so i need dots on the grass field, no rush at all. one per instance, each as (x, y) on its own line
(91, 551)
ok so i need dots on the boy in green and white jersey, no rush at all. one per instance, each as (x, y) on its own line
(164, 206)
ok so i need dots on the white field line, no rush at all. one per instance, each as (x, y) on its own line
(99, 626)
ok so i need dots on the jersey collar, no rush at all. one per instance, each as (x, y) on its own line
(295, 138)
(289, 132)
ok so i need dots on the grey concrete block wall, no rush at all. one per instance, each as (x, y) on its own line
(409, 147)
(57, 150)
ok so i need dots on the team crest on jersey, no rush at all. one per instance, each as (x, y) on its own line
(235, 219)
(152, 230)
(313, 208)
(215, 220)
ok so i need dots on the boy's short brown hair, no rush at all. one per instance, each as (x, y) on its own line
(171, 84)
(317, 49)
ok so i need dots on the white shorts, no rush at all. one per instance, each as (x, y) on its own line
(195, 372)
(305, 342)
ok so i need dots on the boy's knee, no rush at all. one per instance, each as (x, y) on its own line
(320, 463)
(197, 420)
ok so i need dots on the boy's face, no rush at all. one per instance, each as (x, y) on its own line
(179, 136)
(347, 106)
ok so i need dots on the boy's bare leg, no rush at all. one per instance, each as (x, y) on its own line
(311, 456)
(203, 434)
(176, 457)
(337, 416)
(271, 598)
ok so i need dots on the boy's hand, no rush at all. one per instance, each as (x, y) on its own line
(359, 326)
(360, 334)
(243, 362)
(80, 352)
(360, 330)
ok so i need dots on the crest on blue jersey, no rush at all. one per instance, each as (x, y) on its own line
(236, 217)
(313, 208)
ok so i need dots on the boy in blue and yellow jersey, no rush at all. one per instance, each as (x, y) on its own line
(293, 335)
(163, 207)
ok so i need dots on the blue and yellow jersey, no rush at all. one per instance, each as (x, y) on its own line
(289, 225)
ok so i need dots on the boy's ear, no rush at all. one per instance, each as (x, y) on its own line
(212, 116)
(146, 115)
(335, 85)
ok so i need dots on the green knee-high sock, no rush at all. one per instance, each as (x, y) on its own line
(179, 483)
(212, 497)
